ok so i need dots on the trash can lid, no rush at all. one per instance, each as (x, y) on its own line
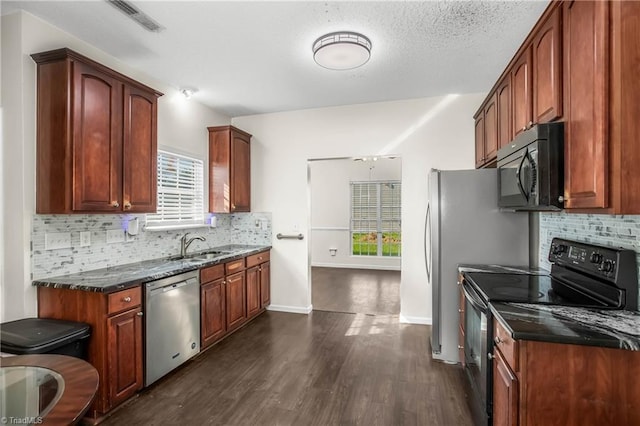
(30, 333)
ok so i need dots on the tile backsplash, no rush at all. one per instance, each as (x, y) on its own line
(606, 230)
(237, 228)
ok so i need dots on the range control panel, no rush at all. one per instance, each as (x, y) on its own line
(595, 260)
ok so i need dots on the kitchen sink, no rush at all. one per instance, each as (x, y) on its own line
(199, 257)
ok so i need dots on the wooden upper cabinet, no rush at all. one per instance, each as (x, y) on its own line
(491, 129)
(503, 98)
(521, 93)
(547, 69)
(229, 170)
(96, 138)
(586, 85)
(140, 150)
(480, 139)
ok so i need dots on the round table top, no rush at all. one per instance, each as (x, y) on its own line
(74, 395)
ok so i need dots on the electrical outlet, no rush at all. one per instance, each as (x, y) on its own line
(115, 236)
(85, 238)
(57, 240)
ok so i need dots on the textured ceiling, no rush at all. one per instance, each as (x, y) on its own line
(255, 57)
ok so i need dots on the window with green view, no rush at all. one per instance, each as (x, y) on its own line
(375, 218)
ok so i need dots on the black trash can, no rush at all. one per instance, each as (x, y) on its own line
(45, 336)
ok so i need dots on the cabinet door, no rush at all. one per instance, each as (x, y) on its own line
(140, 151)
(480, 140)
(265, 284)
(503, 93)
(491, 130)
(505, 393)
(125, 355)
(213, 320)
(547, 70)
(521, 93)
(97, 140)
(253, 291)
(586, 58)
(236, 300)
(240, 173)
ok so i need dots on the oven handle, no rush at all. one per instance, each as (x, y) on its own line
(471, 296)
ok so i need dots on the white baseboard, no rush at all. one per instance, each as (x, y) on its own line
(291, 309)
(415, 320)
(348, 266)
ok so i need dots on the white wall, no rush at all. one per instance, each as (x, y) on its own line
(427, 133)
(330, 215)
(181, 125)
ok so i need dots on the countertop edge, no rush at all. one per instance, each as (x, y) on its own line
(181, 267)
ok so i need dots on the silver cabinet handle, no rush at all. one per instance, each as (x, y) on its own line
(126, 299)
(140, 314)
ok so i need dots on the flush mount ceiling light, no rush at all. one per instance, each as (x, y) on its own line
(342, 50)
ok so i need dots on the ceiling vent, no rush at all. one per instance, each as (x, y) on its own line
(136, 14)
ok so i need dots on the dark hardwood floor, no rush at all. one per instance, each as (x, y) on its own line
(361, 291)
(325, 368)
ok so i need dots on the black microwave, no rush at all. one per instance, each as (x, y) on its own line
(531, 170)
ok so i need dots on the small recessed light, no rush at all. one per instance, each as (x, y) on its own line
(188, 92)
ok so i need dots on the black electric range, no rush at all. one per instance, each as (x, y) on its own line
(582, 275)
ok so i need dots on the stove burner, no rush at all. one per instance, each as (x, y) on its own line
(522, 293)
(506, 279)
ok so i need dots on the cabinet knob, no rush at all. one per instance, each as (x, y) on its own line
(233, 206)
(497, 340)
(127, 205)
(115, 204)
(460, 310)
(126, 299)
(530, 124)
(140, 314)
(460, 347)
(524, 128)
(224, 282)
(490, 356)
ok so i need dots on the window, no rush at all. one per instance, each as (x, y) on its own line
(375, 218)
(180, 191)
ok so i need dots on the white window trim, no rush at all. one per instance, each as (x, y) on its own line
(155, 223)
(378, 217)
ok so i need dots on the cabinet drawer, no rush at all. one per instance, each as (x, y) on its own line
(257, 259)
(123, 300)
(506, 344)
(211, 273)
(233, 267)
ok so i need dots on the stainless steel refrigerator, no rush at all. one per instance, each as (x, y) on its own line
(463, 224)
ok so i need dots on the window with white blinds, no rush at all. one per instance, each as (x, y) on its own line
(180, 191)
(376, 218)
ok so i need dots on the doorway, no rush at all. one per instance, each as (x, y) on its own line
(355, 236)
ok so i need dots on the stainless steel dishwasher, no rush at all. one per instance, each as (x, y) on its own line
(172, 323)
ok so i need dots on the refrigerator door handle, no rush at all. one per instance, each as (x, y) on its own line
(427, 251)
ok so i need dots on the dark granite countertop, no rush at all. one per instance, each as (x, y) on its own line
(501, 269)
(114, 278)
(570, 325)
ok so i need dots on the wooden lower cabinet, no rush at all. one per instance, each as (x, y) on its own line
(541, 383)
(265, 284)
(236, 300)
(505, 393)
(253, 291)
(125, 355)
(213, 323)
(115, 345)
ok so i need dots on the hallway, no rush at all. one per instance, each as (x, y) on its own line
(360, 291)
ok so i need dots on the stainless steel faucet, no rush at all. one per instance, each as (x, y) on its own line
(185, 243)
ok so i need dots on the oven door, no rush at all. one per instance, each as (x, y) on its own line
(477, 329)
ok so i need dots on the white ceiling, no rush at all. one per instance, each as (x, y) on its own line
(255, 57)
